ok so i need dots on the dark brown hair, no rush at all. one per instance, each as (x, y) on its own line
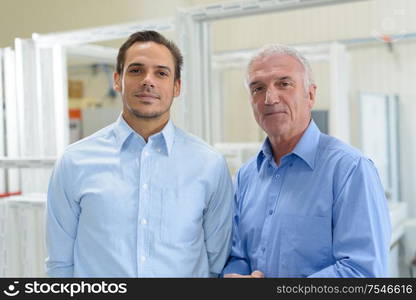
(150, 36)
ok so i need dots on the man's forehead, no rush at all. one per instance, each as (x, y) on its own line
(276, 64)
(152, 51)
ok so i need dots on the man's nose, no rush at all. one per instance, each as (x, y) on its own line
(272, 96)
(148, 80)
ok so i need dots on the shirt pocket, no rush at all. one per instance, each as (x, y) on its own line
(182, 216)
(308, 244)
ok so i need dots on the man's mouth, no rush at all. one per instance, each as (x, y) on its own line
(275, 113)
(147, 96)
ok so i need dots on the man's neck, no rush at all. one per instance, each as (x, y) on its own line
(146, 127)
(282, 145)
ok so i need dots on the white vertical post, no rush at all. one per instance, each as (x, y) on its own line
(394, 145)
(27, 87)
(13, 131)
(3, 187)
(339, 112)
(194, 41)
(217, 115)
(60, 84)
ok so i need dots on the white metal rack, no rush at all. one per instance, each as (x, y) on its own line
(337, 57)
(36, 100)
(38, 88)
(99, 34)
(22, 249)
(40, 163)
(193, 27)
(236, 154)
(236, 9)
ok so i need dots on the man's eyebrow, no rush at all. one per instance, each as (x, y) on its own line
(285, 77)
(253, 83)
(279, 78)
(164, 67)
(142, 65)
(135, 65)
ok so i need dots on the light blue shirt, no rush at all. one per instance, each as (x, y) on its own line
(121, 207)
(321, 213)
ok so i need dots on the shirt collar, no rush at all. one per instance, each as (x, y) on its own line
(265, 152)
(122, 131)
(305, 149)
(166, 136)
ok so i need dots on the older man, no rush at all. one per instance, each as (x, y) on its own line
(307, 205)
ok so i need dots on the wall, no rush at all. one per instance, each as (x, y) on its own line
(373, 67)
(23, 17)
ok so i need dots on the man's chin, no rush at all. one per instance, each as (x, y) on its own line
(274, 129)
(147, 114)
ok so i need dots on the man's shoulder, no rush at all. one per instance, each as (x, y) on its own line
(102, 137)
(333, 149)
(249, 168)
(196, 145)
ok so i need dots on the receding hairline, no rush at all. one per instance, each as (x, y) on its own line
(281, 50)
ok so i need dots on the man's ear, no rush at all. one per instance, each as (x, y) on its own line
(117, 82)
(312, 95)
(176, 88)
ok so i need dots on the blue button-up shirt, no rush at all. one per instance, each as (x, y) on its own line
(321, 213)
(121, 207)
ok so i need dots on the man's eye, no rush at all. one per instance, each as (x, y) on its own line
(134, 71)
(285, 84)
(163, 74)
(256, 90)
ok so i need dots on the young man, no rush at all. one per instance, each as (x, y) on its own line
(140, 198)
(307, 205)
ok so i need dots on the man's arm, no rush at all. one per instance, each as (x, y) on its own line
(61, 222)
(361, 226)
(218, 221)
(237, 262)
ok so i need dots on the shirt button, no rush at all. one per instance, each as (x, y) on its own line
(158, 150)
(145, 186)
(143, 258)
(143, 221)
(146, 153)
(271, 212)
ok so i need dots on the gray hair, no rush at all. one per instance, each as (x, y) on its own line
(280, 49)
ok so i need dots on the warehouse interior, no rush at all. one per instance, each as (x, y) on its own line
(56, 87)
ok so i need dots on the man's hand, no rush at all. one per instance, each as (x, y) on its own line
(254, 274)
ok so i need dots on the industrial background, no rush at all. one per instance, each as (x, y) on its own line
(57, 58)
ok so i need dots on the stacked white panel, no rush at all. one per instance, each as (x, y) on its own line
(25, 236)
(2, 119)
(3, 256)
(236, 154)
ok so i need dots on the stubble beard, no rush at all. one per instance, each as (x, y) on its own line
(152, 115)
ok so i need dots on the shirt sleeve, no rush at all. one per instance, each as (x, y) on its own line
(237, 262)
(218, 222)
(61, 222)
(361, 226)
